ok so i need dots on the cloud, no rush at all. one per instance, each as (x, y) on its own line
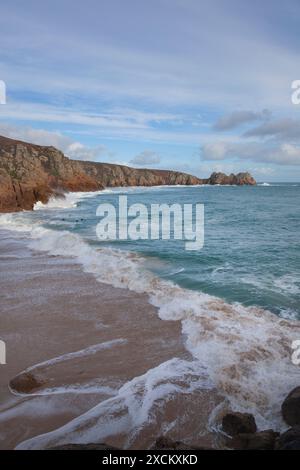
(129, 63)
(237, 118)
(284, 129)
(120, 123)
(263, 171)
(277, 153)
(72, 149)
(35, 136)
(146, 158)
(78, 151)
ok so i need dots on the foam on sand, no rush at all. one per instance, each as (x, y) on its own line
(245, 353)
(135, 406)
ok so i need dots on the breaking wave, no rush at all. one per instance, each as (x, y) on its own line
(242, 352)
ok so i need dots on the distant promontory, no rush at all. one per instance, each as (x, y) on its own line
(30, 173)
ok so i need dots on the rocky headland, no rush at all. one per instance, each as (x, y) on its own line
(30, 173)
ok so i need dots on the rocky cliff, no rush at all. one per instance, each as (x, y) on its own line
(31, 173)
(238, 179)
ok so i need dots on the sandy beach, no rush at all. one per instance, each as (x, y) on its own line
(82, 340)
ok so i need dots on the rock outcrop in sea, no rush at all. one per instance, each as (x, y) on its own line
(30, 173)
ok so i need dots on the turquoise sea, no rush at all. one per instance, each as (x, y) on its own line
(251, 252)
(237, 298)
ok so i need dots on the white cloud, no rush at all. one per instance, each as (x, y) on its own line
(146, 158)
(72, 149)
(78, 151)
(35, 136)
(281, 154)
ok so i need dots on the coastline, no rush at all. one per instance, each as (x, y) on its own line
(50, 308)
(126, 356)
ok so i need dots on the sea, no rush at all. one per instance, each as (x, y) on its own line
(236, 299)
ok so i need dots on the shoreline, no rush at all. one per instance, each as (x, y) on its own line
(51, 309)
(170, 363)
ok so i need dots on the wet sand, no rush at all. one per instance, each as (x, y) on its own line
(50, 308)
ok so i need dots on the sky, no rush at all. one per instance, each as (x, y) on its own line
(191, 85)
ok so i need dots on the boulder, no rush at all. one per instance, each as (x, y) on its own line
(236, 423)
(164, 443)
(264, 440)
(26, 383)
(289, 440)
(291, 407)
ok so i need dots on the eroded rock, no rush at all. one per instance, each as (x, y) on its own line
(236, 423)
(26, 383)
(291, 407)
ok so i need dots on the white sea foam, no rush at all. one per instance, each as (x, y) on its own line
(90, 350)
(67, 201)
(134, 406)
(246, 352)
(16, 222)
(288, 283)
(94, 387)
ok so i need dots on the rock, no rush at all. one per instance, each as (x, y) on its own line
(264, 440)
(289, 440)
(164, 443)
(240, 179)
(31, 173)
(26, 383)
(290, 408)
(83, 447)
(237, 423)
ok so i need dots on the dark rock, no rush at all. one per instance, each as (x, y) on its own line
(264, 440)
(237, 423)
(289, 440)
(26, 383)
(291, 407)
(240, 179)
(164, 443)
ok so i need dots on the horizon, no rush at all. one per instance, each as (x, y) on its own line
(176, 85)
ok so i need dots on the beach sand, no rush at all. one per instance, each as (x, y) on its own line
(50, 308)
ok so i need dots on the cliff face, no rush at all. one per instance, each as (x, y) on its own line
(238, 179)
(31, 173)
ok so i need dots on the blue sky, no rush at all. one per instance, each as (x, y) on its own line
(183, 84)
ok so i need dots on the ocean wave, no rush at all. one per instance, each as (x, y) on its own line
(67, 201)
(286, 284)
(245, 352)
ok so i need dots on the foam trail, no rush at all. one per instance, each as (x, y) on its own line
(245, 351)
(131, 408)
(86, 389)
(90, 350)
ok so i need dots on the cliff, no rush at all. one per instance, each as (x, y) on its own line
(239, 179)
(31, 173)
